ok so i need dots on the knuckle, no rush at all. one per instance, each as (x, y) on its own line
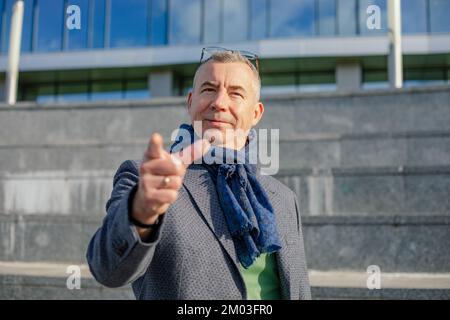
(177, 182)
(150, 194)
(159, 167)
(169, 163)
(165, 168)
(142, 169)
(147, 181)
(173, 196)
(146, 167)
(148, 203)
(181, 171)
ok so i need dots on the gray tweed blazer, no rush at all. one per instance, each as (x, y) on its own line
(191, 255)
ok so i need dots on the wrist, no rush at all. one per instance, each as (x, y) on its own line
(146, 225)
(137, 216)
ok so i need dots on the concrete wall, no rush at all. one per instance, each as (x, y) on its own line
(371, 169)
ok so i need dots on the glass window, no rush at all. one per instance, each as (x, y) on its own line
(24, 93)
(46, 93)
(50, 24)
(317, 82)
(424, 76)
(375, 79)
(79, 91)
(7, 6)
(27, 27)
(2, 24)
(128, 24)
(327, 17)
(106, 90)
(184, 21)
(421, 83)
(186, 85)
(278, 83)
(27, 92)
(235, 20)
(375, 75)
(97, 24)
(137, 89)
(346, 15)
(258, 19)
(317, 87)
(211, 21)
(414, 16)
(317, 78)
(292, 18)
(5, 22)
(278, 79)
(77, 38)
(73, 92)
(439, 15)
(364, 17)
(375, 85)
(158, 22)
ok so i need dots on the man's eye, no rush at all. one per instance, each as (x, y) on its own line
(207, 90)
(237, 94)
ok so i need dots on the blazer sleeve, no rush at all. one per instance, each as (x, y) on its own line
(116, 255)
(305, 289)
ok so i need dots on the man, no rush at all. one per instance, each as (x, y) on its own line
(209, 229)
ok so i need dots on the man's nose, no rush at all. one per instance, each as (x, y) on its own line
(220, 101)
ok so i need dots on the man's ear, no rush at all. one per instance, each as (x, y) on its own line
(189, 100)
(257, 113)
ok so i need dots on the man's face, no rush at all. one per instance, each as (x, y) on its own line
(224, 98)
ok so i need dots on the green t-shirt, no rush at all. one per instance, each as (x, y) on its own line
(261, 278)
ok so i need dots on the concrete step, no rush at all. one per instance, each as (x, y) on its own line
(56, 192)
(371, 129)
(338, 284)
(371, 191)
(401, 111)
(333, 293)
(336, 191)
(424, 149)
(398, 111)
(395, 243)
(49, 281)
(40, 238)
(74, 124)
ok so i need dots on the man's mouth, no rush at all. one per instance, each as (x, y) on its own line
(217, 122)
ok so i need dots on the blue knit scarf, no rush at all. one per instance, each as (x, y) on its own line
(248, 211)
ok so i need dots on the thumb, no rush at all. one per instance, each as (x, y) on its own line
(193, 152)
(155, 148)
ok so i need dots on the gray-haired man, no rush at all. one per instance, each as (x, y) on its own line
(181, 230)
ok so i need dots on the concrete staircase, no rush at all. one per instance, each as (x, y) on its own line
(371, 169)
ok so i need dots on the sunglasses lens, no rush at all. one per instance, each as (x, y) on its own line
(209, 51)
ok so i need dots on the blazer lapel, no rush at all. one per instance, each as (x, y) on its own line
(201, 187)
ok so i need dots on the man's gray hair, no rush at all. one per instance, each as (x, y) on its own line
(233, 56)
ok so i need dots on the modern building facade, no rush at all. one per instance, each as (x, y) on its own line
(137, 49)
